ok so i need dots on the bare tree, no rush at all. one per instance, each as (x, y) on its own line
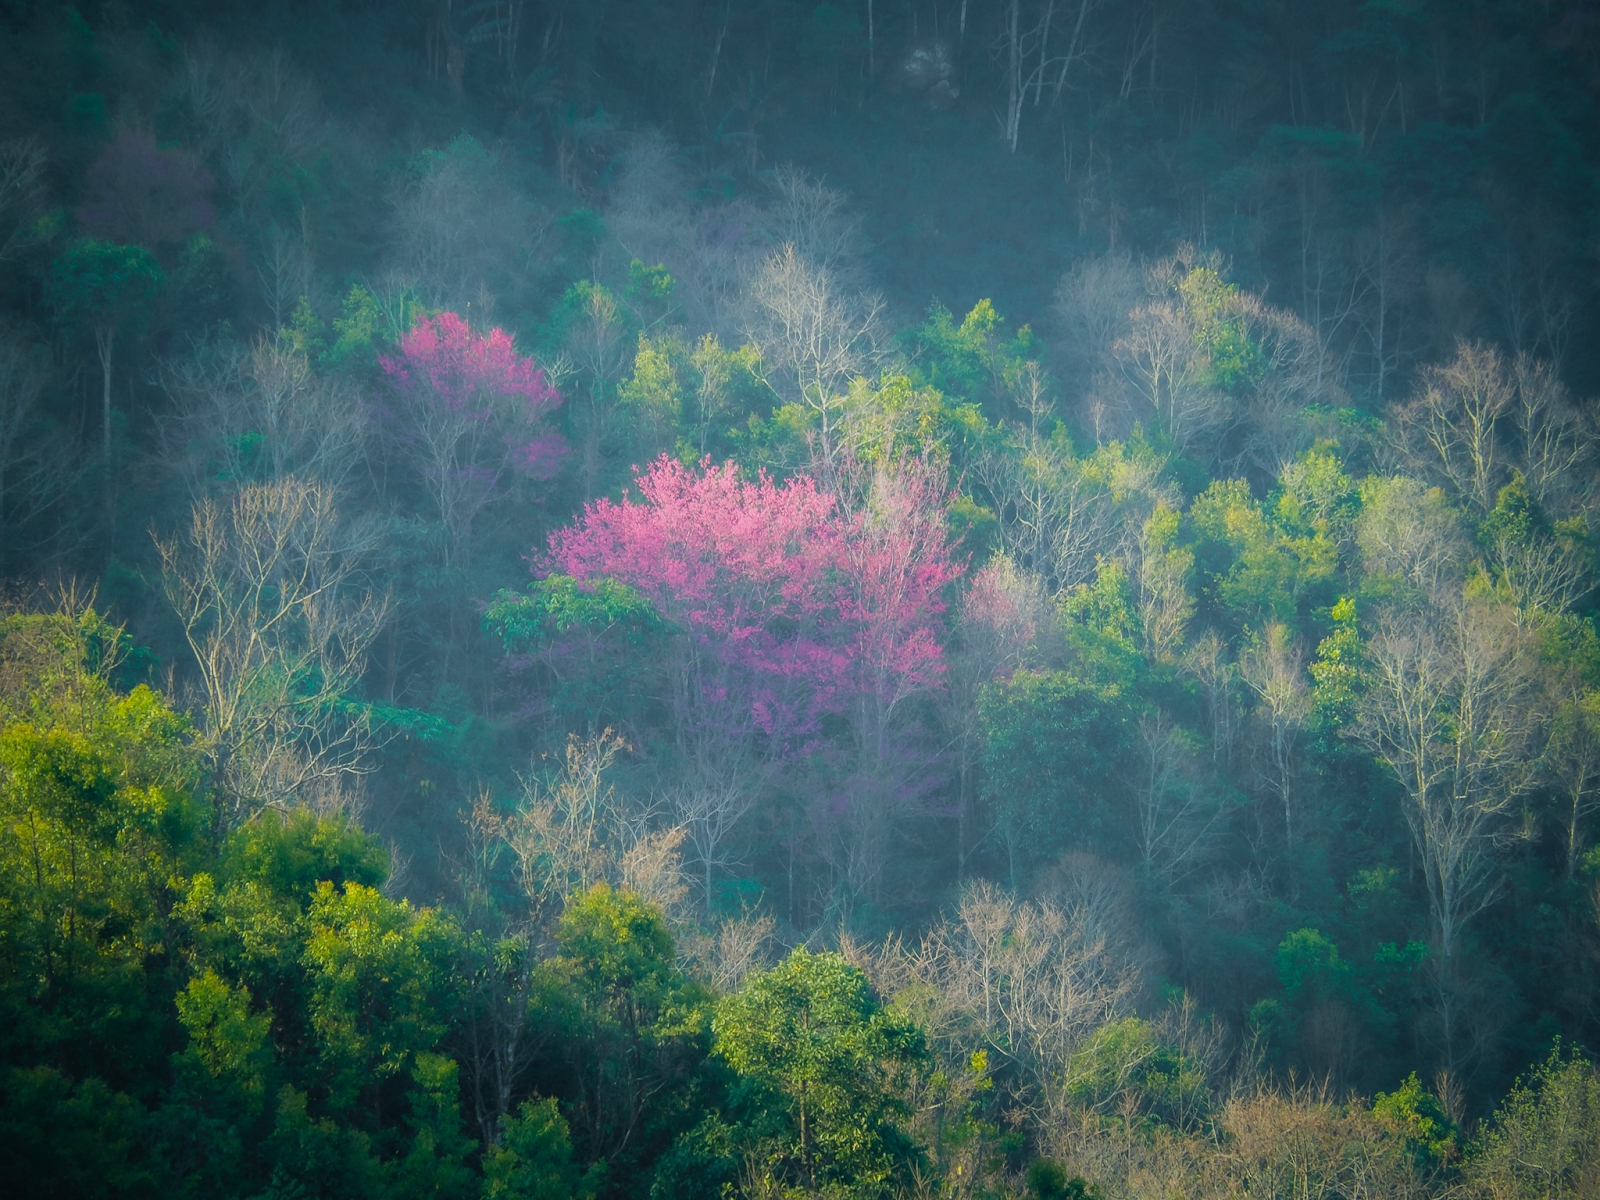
(1159, 569)
(1304, 1144)
(284, 272)
(1573, 755)
(1410, 531)
(36, 465)
(1054, 519)
(460, 224)
(597, 349)
(728, 954)
(815, 338)
(1385, 270)
(813, 218)
(1158, 357)
(1032, 61)
(1540, 574)
(568, 830)
(709, 809)
(498, 1041)
(22, 192)
(652, 869)
(1207, 663)
(1093, 303)
(1555, 440)
(1003, 614)
(261, 414)
(265, 585)
(1292, 372)
(1174, 814)
(572, 829)
(1028, 982)
(1452, 712)
(1221, 371)
(1274, 667)
(1452, 428)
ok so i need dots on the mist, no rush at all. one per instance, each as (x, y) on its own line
(961, 598)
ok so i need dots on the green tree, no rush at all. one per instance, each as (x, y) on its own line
(1419, 1117)
(533, 1158)
(1544, 1140)
(823, 1066)
(636, 1030)
(1051, 742)
(1047, 1181)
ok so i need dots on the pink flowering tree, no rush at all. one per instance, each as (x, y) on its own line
(470, 414)
(793, 610)
(746, 570)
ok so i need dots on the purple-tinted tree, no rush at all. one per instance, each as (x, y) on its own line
(150, 195)
(469, 413)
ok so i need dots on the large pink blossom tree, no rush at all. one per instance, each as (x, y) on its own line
(801, 618)
(469, 412)
(748, 570)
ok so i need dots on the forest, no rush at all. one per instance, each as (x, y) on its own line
(749, 599)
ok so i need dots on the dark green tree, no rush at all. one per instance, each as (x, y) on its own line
(106, 287)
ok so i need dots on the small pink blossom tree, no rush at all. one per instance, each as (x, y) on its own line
(471, 412)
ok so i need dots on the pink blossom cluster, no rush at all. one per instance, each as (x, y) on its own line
(473, 375)
(815, 607)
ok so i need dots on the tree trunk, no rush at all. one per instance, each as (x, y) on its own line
(105, 339)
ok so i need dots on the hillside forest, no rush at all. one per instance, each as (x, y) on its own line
(928, 599)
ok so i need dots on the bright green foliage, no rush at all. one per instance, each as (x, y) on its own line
(654, 392)
(1544, 1141)
(229, 1051)
(821, 1063)
(687, 398)
(1310, 969)
(636, 1030)
(894, 417)
(436, 1164)
(292, 853)
(558, 604)
(366, 324)
(1337, 668)
(98, 830)
(1265, 225)
(1103, 627)
(533, 1158)
(974, 362)
(380, 982)
(1418, 1116)
(1231, 359)
(1126, 1068)
(1257, 570)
